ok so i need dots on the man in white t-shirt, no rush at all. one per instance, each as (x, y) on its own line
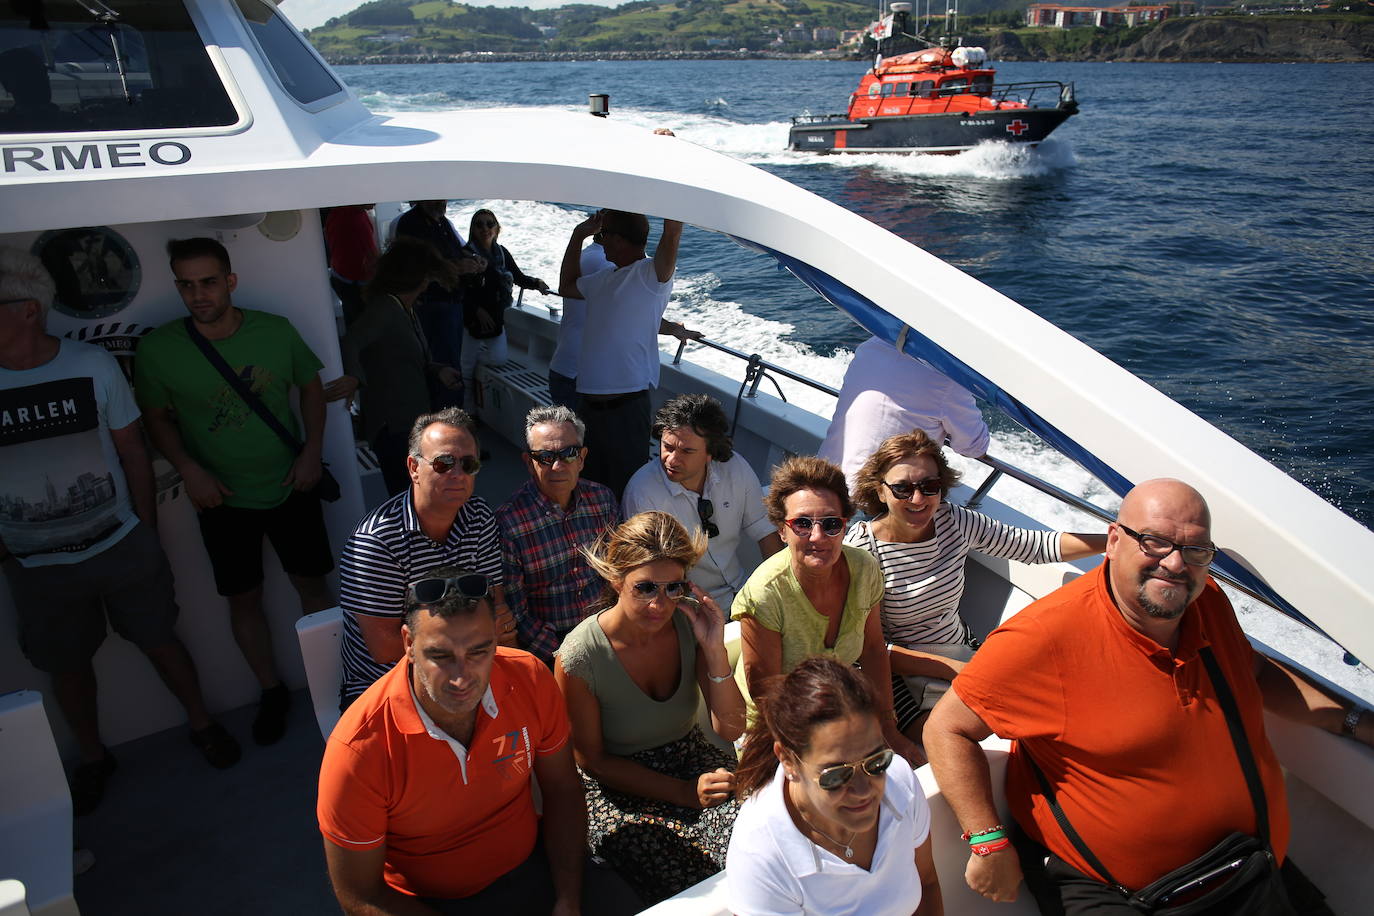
(618, 360)
(699, 480)
(886, 392)
(563, 364)
(78, 520)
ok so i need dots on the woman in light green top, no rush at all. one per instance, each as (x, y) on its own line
(659, 795)
(817, 597)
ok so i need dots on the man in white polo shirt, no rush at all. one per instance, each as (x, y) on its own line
(618, 361)
(697, 481)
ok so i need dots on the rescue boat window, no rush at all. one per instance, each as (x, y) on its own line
(922, 89)
(953, 86)
(64, 70)
(982, 85)
(887, 89)
(903, 88)
(300, 71)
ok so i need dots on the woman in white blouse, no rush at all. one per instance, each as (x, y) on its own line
(834, 822)
(921, 542)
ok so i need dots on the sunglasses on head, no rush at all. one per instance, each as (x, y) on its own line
(706, 509)
(836, 777)
(801, 526)
(648, 591)
(442, 464)
(905, 489)
(549, 456)
(470, 586)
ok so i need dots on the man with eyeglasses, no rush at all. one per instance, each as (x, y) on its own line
(436, 522)
(618, 361)
(698, 480)
(1104, 686)
(544, 525)
(426, 803)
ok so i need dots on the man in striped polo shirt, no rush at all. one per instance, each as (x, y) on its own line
(436, 522)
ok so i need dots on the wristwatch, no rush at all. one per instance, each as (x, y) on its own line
(1352, 720)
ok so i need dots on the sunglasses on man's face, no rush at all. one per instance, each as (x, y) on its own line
(801, 526)
(471, 587)
(905, 489)
(838, 776)
(549, 456)
(442, 464)
(647, 591)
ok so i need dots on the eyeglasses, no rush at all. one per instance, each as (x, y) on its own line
(549, 456)
(905, 489)
(470, 586)
(706, 509)
(801, 526)
(1152, 545)
(648, 591)
(838, 776)
(442, 464)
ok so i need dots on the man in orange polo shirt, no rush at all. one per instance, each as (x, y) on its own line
(1102, 685)
(425, 797)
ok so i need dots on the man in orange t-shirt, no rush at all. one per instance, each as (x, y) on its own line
(425, 798)
(1102, 684)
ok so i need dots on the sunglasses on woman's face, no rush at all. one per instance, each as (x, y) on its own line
(485, 224)
(648, 591)
(442, 464)
(548, 456)
(432, 590)
(905, 489)
(801, 526)
(838, 776)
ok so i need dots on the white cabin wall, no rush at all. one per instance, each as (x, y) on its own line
(285, 277)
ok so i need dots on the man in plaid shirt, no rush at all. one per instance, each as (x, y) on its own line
(544, 525)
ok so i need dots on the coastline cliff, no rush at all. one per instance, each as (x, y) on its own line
(1252, 39)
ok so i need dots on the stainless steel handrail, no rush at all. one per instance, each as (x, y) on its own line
(999, 467)
(757, 360)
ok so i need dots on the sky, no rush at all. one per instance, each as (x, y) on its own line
(306, 14)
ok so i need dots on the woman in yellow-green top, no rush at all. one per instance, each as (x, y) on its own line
(817, 597)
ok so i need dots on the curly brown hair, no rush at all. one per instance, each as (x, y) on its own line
(902, 447)
(805, 472)
(643, 538)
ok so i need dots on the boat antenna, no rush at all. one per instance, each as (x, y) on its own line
(110, 20)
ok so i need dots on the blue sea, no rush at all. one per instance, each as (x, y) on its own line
(1206, 226)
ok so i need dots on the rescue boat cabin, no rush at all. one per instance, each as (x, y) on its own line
(933, 81)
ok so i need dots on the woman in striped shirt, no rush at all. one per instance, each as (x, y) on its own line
(921, 542)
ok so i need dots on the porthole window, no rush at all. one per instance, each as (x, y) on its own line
(96, 271)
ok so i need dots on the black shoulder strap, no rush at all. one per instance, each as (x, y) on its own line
(1244, 754)
(1227, 701)
(239, 385)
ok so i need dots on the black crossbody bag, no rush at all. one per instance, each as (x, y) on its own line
(1239, 875)
(327, 489)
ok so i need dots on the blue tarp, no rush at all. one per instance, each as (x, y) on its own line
(885, 326)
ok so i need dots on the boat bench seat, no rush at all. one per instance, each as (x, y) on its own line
(35, 811)
(319, 635)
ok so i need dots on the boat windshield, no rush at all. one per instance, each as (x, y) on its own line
(76, 67)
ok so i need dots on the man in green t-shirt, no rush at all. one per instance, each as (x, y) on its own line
(245, 481)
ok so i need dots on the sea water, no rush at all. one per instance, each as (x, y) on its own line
(1206, 226)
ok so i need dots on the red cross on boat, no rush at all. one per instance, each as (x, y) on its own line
(1018, 127)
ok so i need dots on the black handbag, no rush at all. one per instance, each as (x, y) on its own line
(1239, 876)
(327, 487)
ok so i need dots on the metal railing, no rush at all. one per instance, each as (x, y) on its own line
(757, 368)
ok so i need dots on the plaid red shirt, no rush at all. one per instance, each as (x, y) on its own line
(549, 585)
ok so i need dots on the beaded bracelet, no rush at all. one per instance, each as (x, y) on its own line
(987, 849)
(981, 833)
